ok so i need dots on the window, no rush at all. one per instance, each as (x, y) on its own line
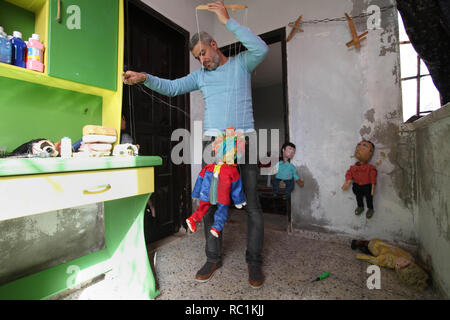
(419, 95)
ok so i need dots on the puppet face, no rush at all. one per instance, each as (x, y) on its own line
(44, 146)
(364, 151)
(401, 263)
(288, 152)
(207, 55)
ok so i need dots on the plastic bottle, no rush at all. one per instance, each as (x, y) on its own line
(5, 48)
(18, 50)
(35, 54)
(66, 147)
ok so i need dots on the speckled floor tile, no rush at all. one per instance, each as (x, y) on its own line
(291, 261)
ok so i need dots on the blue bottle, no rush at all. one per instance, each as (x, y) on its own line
(18, 50)
(5, 48)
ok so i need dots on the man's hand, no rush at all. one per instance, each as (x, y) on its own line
(219, 9)
(300, 183)
(132, 77)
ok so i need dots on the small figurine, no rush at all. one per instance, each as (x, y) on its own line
(218, 184)
(364, 177)
(285, 171)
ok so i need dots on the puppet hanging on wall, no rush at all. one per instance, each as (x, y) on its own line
(219, 184)
(364, 178)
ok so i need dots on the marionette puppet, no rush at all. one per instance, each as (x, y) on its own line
(409, 270)
(364, 178)
(285, 171)
(219, 183)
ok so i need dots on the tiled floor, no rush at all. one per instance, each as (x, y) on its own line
(291, 261)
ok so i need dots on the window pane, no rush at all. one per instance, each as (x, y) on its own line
(401, 30)
(429, 96)
(423, 68)
(408, 61)
(409, 97)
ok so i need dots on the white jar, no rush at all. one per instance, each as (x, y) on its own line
(66, 147)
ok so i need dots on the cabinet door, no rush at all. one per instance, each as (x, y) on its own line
(83, 42)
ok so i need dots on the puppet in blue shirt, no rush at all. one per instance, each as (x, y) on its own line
(285, 171)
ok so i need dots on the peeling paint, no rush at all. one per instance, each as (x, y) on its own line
(365, 130)
(370, 115)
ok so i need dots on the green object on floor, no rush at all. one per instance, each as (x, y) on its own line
(322, 276)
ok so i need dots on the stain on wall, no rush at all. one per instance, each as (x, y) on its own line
(307, 203)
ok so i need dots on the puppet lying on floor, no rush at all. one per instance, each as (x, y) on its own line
(217, 183)
(387, 255)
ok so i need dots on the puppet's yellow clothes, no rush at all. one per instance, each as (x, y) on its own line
(384, 254)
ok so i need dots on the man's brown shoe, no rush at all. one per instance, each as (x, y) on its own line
(207, 271)
(255, 276)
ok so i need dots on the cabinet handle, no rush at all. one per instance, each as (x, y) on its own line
(98, 189)
(58, 14)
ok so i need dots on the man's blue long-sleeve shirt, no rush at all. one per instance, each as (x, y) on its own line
(227, 89)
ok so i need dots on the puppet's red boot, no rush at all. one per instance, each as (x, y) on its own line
(191, 224)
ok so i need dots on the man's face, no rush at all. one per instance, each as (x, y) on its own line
(364, 151)
(207, 55)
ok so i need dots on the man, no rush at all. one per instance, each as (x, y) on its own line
(225, 84)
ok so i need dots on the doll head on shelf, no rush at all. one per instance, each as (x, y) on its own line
(287, 151)
(364, 151)
(229, 146)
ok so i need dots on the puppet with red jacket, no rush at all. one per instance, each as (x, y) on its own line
(218, 184)
(364, 177)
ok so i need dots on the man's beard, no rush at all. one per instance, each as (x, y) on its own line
(215, 64)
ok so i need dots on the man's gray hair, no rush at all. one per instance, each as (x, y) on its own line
(204, 37)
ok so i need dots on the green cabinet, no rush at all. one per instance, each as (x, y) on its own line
(83, 41)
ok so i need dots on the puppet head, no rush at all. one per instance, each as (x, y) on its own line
(364, 151)
(288, 151)
(229, 146)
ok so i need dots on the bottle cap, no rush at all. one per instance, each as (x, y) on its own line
(35, 36)
(17, 34)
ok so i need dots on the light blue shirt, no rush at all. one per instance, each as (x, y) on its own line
(227, 89)
(286, 171)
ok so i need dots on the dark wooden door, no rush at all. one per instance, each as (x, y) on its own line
(157, 46)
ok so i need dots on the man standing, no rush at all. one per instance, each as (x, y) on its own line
(225, 84)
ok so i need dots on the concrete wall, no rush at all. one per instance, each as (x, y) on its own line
(432, 202)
